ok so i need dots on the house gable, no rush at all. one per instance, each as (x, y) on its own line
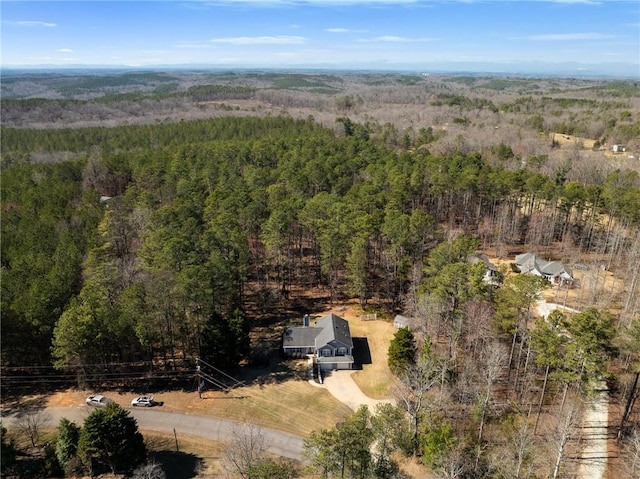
(334, 333)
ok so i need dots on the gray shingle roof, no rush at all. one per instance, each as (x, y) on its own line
(299, 337)
(330, 329)
(481, 257)
(334, 328)
(529, 262)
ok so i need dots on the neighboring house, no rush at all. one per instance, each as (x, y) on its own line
(401, 322)
(329, 341)
(491, 271)
(554, 271)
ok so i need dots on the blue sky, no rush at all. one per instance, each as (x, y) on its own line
(382, 34)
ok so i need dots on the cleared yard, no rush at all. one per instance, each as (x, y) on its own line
(288, 403)
(374, 379)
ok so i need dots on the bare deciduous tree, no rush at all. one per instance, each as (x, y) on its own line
(151, 470)
(561, 435)
(494, 360)
(31, 424)
(515, 458)
(418, 379)
(247, 448)
(631, 456)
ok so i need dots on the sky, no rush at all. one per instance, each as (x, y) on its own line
(344, 34)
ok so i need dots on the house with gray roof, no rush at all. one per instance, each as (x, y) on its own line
(554, 271)
(328, 340)
(491, 272)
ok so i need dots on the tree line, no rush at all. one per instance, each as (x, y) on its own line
(166, 262)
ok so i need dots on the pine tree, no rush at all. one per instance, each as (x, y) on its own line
(110, 437)
(402, 351)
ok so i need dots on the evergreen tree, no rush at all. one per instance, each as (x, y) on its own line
(225, 340)
(67, 441)
(110, 437)
(7, 451)
(402, 351)
(273, 469)
(344, 451)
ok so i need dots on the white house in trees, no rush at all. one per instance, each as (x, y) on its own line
(491, 270)
(554, 271)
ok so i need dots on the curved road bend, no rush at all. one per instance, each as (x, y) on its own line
(278, 443)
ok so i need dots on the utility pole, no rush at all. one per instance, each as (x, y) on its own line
(200, 382)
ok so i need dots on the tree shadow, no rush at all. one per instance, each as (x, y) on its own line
(178, 465)
(20, 406)
(278, 370)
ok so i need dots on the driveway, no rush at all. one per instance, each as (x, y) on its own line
(595, 435)
(545, 308)
(278, 443)
(342, 386)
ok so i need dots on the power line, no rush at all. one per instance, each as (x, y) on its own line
(97, 365)
(236, 381)
(202, 377)
(67, 378)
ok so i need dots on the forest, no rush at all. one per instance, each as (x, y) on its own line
(155, 218)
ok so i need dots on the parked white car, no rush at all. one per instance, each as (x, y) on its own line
(98, 400)
(146, 401)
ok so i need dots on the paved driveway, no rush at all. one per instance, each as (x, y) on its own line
(342, 386)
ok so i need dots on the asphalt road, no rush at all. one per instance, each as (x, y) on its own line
(339, 383)
(155, 419)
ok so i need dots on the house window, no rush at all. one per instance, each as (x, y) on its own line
(326, 352)
(342, 351)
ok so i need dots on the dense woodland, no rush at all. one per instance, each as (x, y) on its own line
(166, 240)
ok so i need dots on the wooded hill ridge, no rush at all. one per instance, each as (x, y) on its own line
(157, 239)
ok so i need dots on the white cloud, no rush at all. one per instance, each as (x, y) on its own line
(395, 39)
(343, 30)
(264, 40)
(65, 50)
(194, 45)
(561, 37)
(29, 23)
(286, 55)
